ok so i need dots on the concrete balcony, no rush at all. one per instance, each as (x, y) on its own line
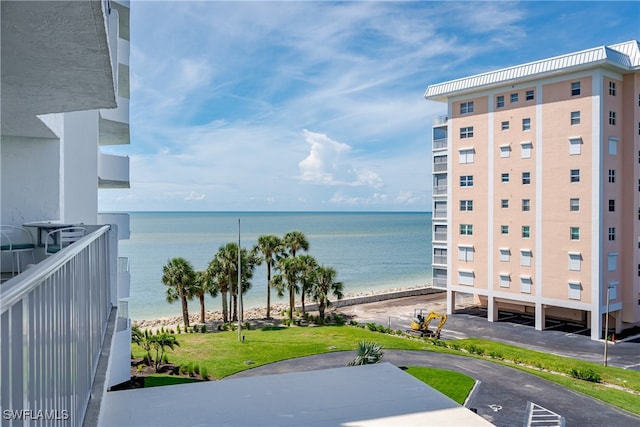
(119, 219)
(113, 124)
(440, 144)
(440, 121)
(113, 171)
(124, 278)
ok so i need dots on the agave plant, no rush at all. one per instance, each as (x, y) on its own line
(367, 353)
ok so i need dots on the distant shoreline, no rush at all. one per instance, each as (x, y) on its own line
(255, 313)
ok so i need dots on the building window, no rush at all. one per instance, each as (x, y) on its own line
(466, 107)
(526, 124)
(612, 234)
(612, 205)
(613, 290)
(574, 205)
(575, 261)
(612, 176)
(529, 95)
(638, 128)
(575, 88)
(505, 254)
(574, 176)
(504, 177)
(466, 181)
(575, 117)
(526, 205)
(505, 280)
(612, 88)
(612, 261)
(526, 148)
(466, 132)
(612, 118)
(575, 146)
(465, 277)
(514, 98)
(525, 284)
(613, 146)
(526, 178)
(466, 155)
(504, 203)
(525, 257)
(526, 231)
(505, 151)
(575, 289)
(504, 229)
(499, 101)
(574, 233)
(465, 253)
(505, 125)
(466, 229)
(466, 205)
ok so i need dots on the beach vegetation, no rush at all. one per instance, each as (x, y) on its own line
(323, 284)
(202, 286)
(223, 271)
(367, 353)
(308, 266)
(288, 278)
(267, 250)
(179, 277)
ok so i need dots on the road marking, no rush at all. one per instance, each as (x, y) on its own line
(495, 407)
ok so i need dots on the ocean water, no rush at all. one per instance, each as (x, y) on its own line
(370, 251)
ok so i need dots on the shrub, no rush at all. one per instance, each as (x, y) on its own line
(190, 369)
(196, 369)
(184, 369)
(367, 353)
(372, 326)
(339, 319)
(495, 355)
(475, 349)
(353, 323)
(204, 373)
(140, 367)
(398, 331)
(203, 329)
(587, 374)
(178, 329)
(454, 346)
(165, 359)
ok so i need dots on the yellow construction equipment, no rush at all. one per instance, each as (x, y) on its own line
(421, 320)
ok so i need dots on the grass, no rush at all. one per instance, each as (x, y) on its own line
(222, 355)
(156, 380)
(452, 384)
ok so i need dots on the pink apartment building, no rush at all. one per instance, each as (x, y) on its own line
(536, 189)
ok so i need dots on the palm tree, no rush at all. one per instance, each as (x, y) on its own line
(203, 284)
(288, 278)
(295, 241)
(308, 264)
(223, 268)
(220, 269)
(323, 284)
(367, 353)
(179, 276)
(159, 343)
(268, 248)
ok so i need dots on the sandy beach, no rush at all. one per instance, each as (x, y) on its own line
(350, 307)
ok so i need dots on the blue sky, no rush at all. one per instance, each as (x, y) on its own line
(318, 105)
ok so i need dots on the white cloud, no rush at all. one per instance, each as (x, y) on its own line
(195, 196)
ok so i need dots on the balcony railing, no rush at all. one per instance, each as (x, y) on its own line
(440, 144)
(53, 320)
(440, 236)
(440, 189)
(440, 214)
(439, 167)
(440, 120)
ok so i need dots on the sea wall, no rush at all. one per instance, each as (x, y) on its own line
(377, 297)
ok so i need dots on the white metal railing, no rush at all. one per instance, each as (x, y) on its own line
(440, 214)
(440, 144)
(440, 189)
(439, 166)
(52, 325)
(440, 120)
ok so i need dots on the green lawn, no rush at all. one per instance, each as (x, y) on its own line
(222, 355)
(453, 384)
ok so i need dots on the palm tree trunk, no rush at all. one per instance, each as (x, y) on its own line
(185, 311)
(303, 310)
(235, 307)
(292, 303)
(321, 310)
(225, 312)
(202, 308)
(268, 290)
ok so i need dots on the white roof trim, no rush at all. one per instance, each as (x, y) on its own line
(625, 56)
